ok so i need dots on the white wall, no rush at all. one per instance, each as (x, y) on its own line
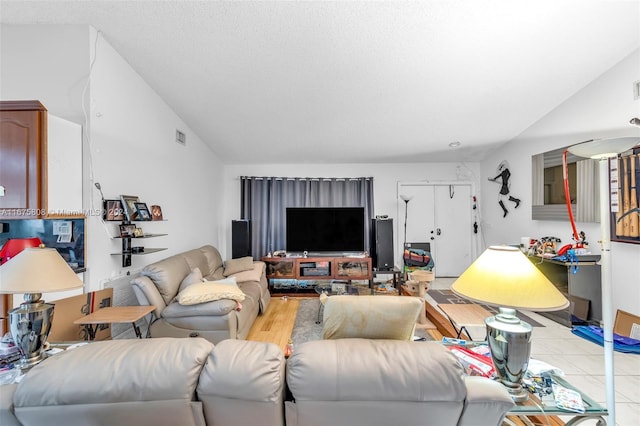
(129, 143)
(47, 63)
(385, 178)
(600, 110)
(133, 152)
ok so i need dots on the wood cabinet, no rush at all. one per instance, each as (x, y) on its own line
(318, 268)
(23, 160)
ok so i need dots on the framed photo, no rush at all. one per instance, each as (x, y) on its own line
(127, 230)
(143, 211)
(113, 210)
(138, 233)
(156, 212)
(129, 206)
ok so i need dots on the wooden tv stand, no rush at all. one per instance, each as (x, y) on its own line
(319, 268)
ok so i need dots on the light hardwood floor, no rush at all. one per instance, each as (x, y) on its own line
(276, 323)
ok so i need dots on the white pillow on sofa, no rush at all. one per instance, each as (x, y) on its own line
(209, 291)
(193, 278)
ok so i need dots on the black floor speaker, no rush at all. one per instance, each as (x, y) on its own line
(382, 244)
(240, 238)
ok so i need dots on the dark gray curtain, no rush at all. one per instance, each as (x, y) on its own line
(264, 200)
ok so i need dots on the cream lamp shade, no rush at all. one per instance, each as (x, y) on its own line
(37, 270)
(503, 276)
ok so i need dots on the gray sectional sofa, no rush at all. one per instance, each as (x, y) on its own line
(169, 381)
(159, 284)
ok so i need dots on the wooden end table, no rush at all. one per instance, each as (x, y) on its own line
(464, 315)
(114, 314)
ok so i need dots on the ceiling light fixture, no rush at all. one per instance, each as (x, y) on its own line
(455, 144)
(635, 121)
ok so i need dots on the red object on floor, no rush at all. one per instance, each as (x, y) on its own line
(14, 246)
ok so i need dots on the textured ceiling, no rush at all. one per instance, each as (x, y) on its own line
(357, 82)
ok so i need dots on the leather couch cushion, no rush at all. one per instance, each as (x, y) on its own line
(167, 275)
(150, 370)
(216, 308)
(233, 266)
(388, 370)
(196, 259)
(214, 263)
(261, 366)
(253, 274)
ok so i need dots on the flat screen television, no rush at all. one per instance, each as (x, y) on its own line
(325, 229)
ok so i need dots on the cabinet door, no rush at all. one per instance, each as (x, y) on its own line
(353, 269)
(22, 163)
(280, 268)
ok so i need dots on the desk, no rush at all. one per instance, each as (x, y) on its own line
(463, 315)
(114, 314)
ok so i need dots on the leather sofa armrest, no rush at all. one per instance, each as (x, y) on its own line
(487, 400)
(147, 294)
(7, 416)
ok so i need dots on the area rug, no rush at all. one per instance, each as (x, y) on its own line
(305, 328)
(447, 296)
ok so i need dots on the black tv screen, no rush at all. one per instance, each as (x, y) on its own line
(325, 229)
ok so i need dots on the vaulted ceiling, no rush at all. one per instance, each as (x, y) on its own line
(356, 82)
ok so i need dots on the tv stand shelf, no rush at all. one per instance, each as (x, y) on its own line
(319, 268)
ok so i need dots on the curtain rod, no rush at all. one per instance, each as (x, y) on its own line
(305, 178)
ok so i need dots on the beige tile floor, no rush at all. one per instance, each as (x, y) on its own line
(583, 364)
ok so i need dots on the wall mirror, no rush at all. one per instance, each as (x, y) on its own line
(548, 200)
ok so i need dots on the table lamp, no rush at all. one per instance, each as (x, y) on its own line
(503, 276)
(34, 271)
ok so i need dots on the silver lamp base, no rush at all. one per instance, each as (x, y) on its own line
(30, 325)
(509, 340)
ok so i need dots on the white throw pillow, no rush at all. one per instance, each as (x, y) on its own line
(193, 278)
(209, 291)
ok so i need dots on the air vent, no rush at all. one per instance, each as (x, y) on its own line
(636, 90)
(181, 138)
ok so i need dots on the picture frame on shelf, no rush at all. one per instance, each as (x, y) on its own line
(138, 233)
(142, 211)
(127, 230)
(156, 212)
(113, 210)
(129, 206)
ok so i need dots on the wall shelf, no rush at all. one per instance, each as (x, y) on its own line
(128, 250)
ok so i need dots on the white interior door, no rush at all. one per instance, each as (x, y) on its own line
(454, 229)
(419, 213)
(440, 214)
